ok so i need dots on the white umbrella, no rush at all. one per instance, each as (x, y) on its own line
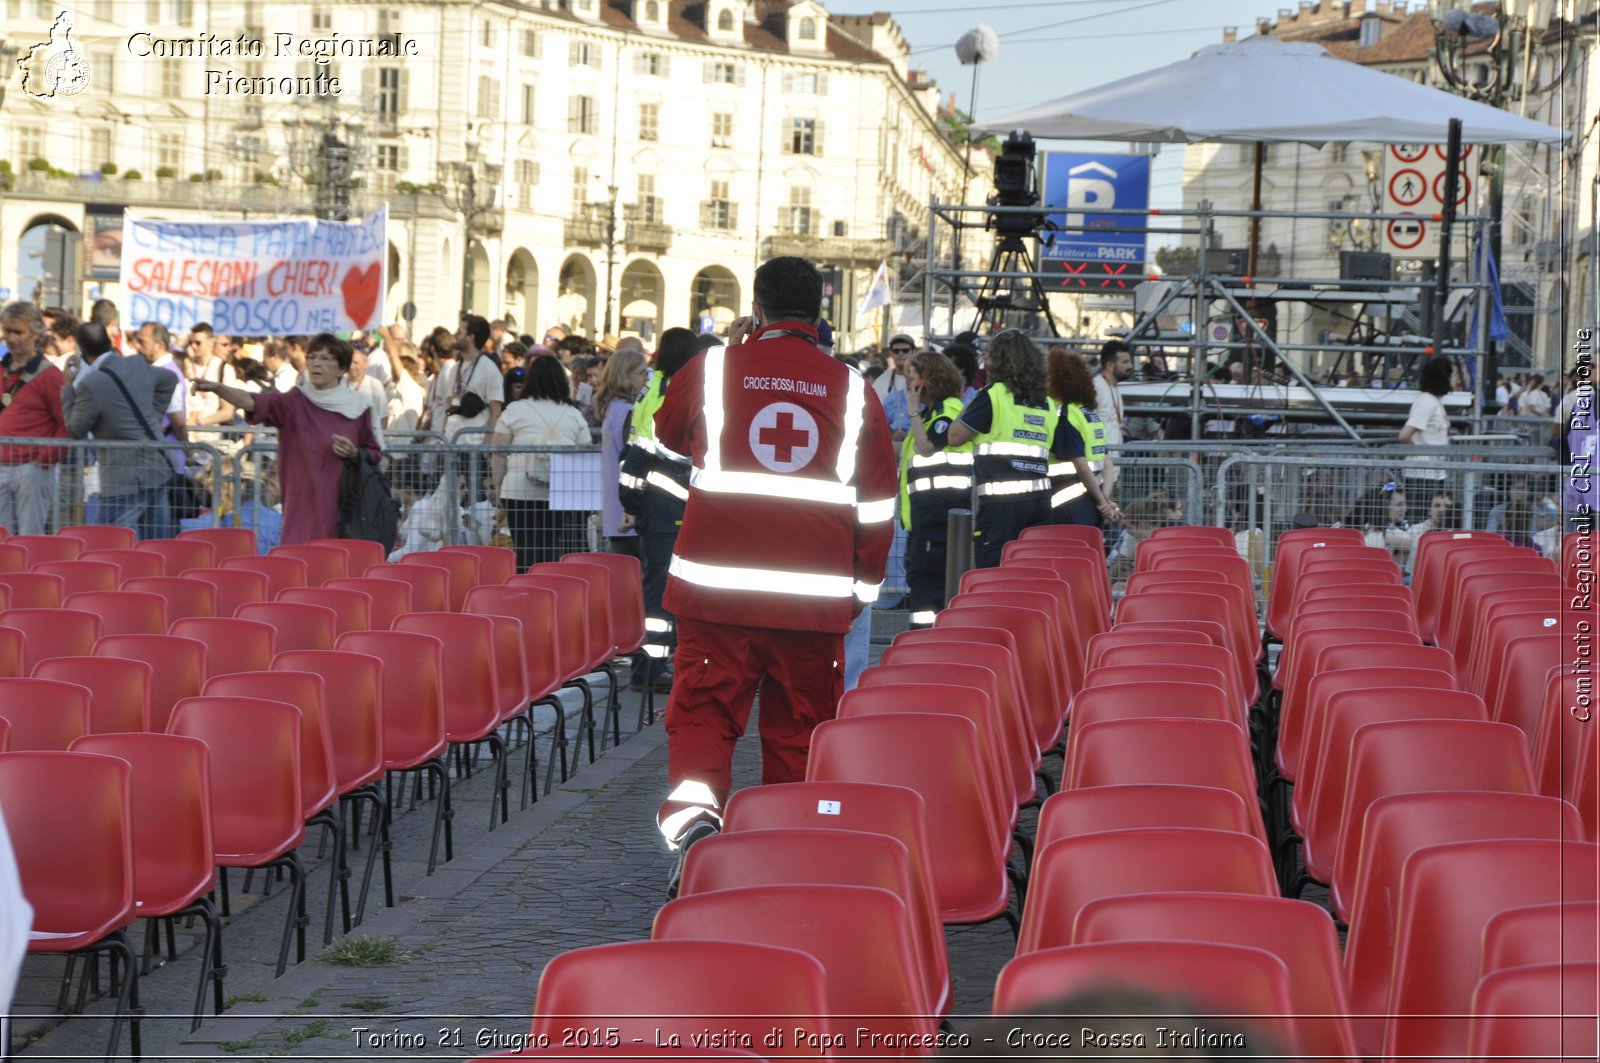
(1263, 90)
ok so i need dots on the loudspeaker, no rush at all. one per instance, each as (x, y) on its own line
(1365, 266)
(1230, 261)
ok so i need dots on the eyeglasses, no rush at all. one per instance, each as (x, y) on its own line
(899, 350)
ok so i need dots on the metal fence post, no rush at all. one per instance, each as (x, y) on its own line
(958, 550)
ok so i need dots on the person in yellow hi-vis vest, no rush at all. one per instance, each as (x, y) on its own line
(1077, 486)
(934, 478)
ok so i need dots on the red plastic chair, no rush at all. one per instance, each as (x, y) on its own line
(1024, 587)
(1079, 602)
(32, 590)
(1072, 563)
(1189, 655)
(319, 789)
(352, 684)
(573, 631)
(69, 821)
(180, 555)
(936, 756)
(1412, 756)
(1035, 696)
(47, 547)
(13, 558)
(53, 633)
(411, 708)
(178, 668)
(1290, 552)
(227, 542)
(1240, 602)
(1568, 932)
(1492, 597)
(626, 590)
(1427, 566)
(1560, 735)
(119, 690)
(863, 937)
(44, 714)
(1166, 606)
(1197, 533)
(233, 587)
(1227, 979)
(1037, 644)
(322, 562)
(1313, 649)
(1296, 932)
(462, 570)
(1459, 572)
(389, 598)
(1402, 824)
(471, 686)
(1091, 809)
(185, 597)
(1094, 653)
(1514, 684)
(776, 857)
(1320, 589)
(1440, 927)
(1544, 1012)
(496, 564)
(257, 819)
(1085, 534)
(1066, 651)
(430, 586)
(174, 871)
(597, 609)
(996, 660)
(130, 563)
(536, 610)
(359, 554)
(280, 571)
(1144, 699)
(1382, 626)
(232, 645)
(100, 536)
(300, 626)
(121, 612)
(1071, 872)
(352, 609)
(1188, 752)
(77, 576)
(663, 988)
(12, 652)
(961, 690)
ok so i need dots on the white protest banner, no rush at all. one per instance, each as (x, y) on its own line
(257, 278)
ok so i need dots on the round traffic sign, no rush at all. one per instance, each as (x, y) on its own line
(1463, 190)
(1407, 187)
(1439, 150)
(1407, 233)
(1409, 152)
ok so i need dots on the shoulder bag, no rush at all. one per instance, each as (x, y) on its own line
(186, 495)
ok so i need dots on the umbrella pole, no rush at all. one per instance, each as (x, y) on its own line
(1441, 292)
(1255, 248)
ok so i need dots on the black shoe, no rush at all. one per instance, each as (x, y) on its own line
(700, 829)
(662, 683)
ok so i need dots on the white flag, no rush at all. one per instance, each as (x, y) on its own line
(877, 292)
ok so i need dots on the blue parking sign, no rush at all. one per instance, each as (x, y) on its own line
(1075, 185)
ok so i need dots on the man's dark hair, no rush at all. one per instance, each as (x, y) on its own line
(326, 341)
(478, 329)
(93, 340)
(1110, 349)
(546, 378)
(158, 332)
(677, 346)
(204, 329)
(104, 312)
(708, 340)
(1435, 376)
(965, 357)
(62, 323)
(789, 289)
(574, 345)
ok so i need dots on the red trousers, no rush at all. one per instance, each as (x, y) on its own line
(719, 669)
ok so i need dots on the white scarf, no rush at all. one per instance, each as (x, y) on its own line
(346, 403)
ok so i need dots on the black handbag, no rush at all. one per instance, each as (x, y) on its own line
(187, 497)
(366, 508)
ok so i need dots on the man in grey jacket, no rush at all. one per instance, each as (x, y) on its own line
(133, 481)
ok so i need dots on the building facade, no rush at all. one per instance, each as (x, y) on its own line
(614, 166)
(1548, 225)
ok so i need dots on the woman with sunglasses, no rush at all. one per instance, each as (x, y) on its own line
(934, 478)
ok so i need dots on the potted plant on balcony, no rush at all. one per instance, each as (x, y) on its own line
(133, 175)
(8, 179)
(165, 173)
(109, 169)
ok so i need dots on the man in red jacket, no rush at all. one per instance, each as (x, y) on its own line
(784, 541)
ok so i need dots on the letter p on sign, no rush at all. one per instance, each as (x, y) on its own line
(1087, 193)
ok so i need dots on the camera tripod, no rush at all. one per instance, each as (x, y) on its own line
(1013, 302)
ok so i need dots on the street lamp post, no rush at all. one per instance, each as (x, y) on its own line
(328, 153)
(607, 326)
(461, 181)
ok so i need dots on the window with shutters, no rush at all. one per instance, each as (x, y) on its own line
(320, 76)
(152, 12)
(808, 29)
(169, 150)
(583, 115)
(650, 64)
(389, 102)
(649, 121)
(718, 211)
(321, 18)
(530, 44)
(388, 22)
(525, 174)
(722, 130)
(806, 84)
(527, 104)
(652, 11)
(1338, 151)
(800, 137)
(580, 186)
(486, 34)
(30, 142)
(724, 73)
(170, 74)
(488, 97)
(798, 219)
(387, 157)
(649, 209)
(99, 148)
(584, 53)
(725, 21)
(102, 67)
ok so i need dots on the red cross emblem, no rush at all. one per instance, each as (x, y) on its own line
(783, 437)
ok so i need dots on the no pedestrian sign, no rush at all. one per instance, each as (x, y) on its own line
(1414, 185)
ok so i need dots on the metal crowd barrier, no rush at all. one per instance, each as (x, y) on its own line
(73, 488)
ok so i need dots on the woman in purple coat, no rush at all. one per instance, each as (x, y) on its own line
(321, 426)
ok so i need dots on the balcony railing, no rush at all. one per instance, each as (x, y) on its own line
(643, 231)
(589, 226)
(839, 250)
(226, 197)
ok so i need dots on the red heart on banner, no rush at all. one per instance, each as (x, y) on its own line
(360, 290)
